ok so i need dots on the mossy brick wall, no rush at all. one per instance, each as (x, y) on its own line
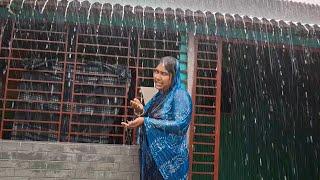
(48, 160)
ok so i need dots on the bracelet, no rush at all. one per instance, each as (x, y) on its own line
(138, 114)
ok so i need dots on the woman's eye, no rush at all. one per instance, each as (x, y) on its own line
(161, 73)
(164, 73)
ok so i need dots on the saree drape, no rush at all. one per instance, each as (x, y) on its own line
(163, 137)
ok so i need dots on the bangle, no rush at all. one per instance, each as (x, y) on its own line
(138, 114)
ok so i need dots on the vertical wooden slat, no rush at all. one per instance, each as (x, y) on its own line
(218, 112)
(192, 129)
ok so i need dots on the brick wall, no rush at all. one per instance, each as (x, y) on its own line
(50, 161)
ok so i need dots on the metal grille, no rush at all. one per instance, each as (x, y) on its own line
(204, 136)
(72, 83)
(100, 88)
(32, 100)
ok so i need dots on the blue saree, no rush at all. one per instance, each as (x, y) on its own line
(163, 137)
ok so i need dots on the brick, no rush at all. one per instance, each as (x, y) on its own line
(84, 166)
(78, 148)
(136, 160)
(6, 163)
(133, 150)
(5, 155)
(38, 165)
(109, 149)
(6, 172)
(118, 176)
(28, 155)
(60, 173)
(14, 164)
(60, 156)
(136, 176)
(114, 149)
(95, 158)
(26, 146)
(21, 164)
(4, 143)
(105, 166)
(13, 178)
(94, 166)
(15, 146)
(128, 167)
(89, 174)
(49, 178)
(49, 147)
(30, 172)
(123, 158)
(59, 165)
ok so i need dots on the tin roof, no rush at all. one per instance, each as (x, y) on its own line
(198, 22)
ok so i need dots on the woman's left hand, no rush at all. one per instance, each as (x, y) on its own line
(133, 124)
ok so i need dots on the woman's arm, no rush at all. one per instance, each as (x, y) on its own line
(133, 124)
(137, 107)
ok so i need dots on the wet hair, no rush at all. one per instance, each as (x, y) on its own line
(169, 63)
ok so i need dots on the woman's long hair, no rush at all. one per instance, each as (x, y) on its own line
(172, 66)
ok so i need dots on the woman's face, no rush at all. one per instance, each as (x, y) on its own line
(162, 78)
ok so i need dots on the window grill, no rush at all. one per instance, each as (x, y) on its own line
(204, 132)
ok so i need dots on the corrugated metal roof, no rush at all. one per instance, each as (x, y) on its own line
(269, 9)
(199, 22)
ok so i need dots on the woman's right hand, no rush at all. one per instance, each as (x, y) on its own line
(137, 106)
(133, 124)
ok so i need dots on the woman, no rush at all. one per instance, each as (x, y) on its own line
(164, 123)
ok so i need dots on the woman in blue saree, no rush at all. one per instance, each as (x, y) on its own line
(164, 123)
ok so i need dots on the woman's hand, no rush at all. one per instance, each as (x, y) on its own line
(133, 124)
(137, 106)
